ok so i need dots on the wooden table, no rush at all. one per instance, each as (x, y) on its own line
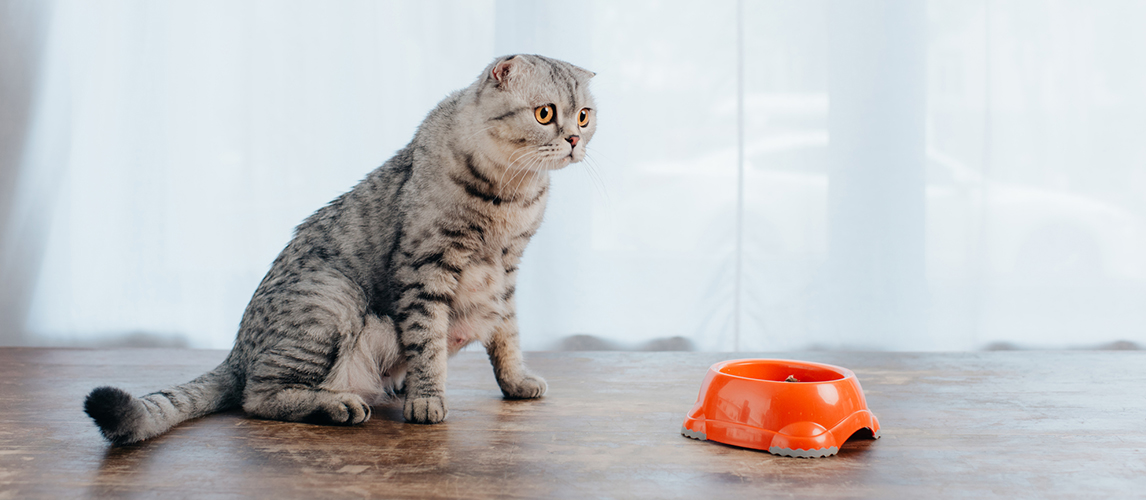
(998, 424)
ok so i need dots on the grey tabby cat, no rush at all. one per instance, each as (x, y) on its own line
(418, 260)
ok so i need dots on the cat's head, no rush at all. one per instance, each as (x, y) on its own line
(533, 113)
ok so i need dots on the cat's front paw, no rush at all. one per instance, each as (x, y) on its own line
(425, 410)
(529, 387)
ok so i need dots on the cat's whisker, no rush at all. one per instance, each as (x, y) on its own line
(527, 149)
(595, 168)
(595, 152)
(531, 173)
(596, 179)
(527, 171)
(501, 188)
(522, 163)
(501, 181)
(519, 171)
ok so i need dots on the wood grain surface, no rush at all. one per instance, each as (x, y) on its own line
(997, 424)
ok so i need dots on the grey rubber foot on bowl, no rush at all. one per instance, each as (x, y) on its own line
(786, 452)
(695, 435)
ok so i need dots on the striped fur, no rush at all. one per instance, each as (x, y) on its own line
(378, 288)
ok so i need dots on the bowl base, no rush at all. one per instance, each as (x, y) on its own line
(699, 436)
(788, 452)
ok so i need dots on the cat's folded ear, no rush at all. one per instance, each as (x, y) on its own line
(584, 72)
(509, 70)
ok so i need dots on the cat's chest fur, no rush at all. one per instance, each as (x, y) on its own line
(478, 304)
(486, 285)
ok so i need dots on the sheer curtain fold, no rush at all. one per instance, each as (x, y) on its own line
(26, 179)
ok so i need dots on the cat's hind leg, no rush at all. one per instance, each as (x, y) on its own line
(285, 384)
(316, 406)
(310, 324)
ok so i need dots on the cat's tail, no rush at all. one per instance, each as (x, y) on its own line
(124, 419)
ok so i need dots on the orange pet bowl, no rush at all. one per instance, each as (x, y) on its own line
(790, 408)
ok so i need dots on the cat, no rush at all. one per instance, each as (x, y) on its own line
(377, 289)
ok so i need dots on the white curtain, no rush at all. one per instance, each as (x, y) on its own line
(767, 175)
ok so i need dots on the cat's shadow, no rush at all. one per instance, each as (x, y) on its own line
(390, 412)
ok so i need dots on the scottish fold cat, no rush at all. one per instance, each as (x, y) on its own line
(377, 289)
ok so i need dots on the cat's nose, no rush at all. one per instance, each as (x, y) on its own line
(573, 140)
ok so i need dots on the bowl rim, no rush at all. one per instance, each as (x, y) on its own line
(844, 372)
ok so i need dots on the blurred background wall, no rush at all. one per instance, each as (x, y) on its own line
(767, 176)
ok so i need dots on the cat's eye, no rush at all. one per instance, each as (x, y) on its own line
(544, 114)
(583, 117)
